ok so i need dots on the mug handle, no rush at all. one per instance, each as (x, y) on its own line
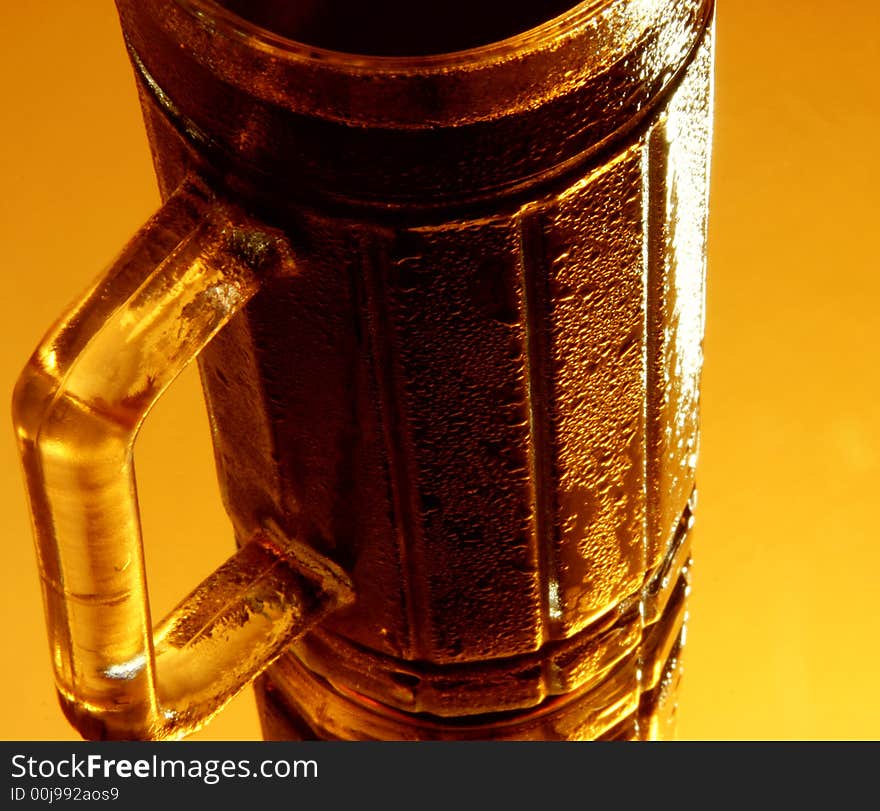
(78, 407)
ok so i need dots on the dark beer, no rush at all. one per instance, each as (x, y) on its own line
(396, 27)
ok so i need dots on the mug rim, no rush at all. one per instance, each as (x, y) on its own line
(210, 12)
(625, 51)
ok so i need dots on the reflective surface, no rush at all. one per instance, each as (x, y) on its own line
(789, 457)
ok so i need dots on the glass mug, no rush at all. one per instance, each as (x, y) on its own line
(445, 287)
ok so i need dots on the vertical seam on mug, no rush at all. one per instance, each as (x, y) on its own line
(531, 242)
(375, 262)
(653, 192)
(653, 207)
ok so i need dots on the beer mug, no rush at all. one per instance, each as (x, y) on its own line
(444, 279)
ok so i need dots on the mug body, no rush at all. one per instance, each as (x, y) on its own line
(478, 390)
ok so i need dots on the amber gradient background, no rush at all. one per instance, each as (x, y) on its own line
(785, 617)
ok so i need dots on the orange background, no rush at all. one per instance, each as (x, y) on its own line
(783, 635)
